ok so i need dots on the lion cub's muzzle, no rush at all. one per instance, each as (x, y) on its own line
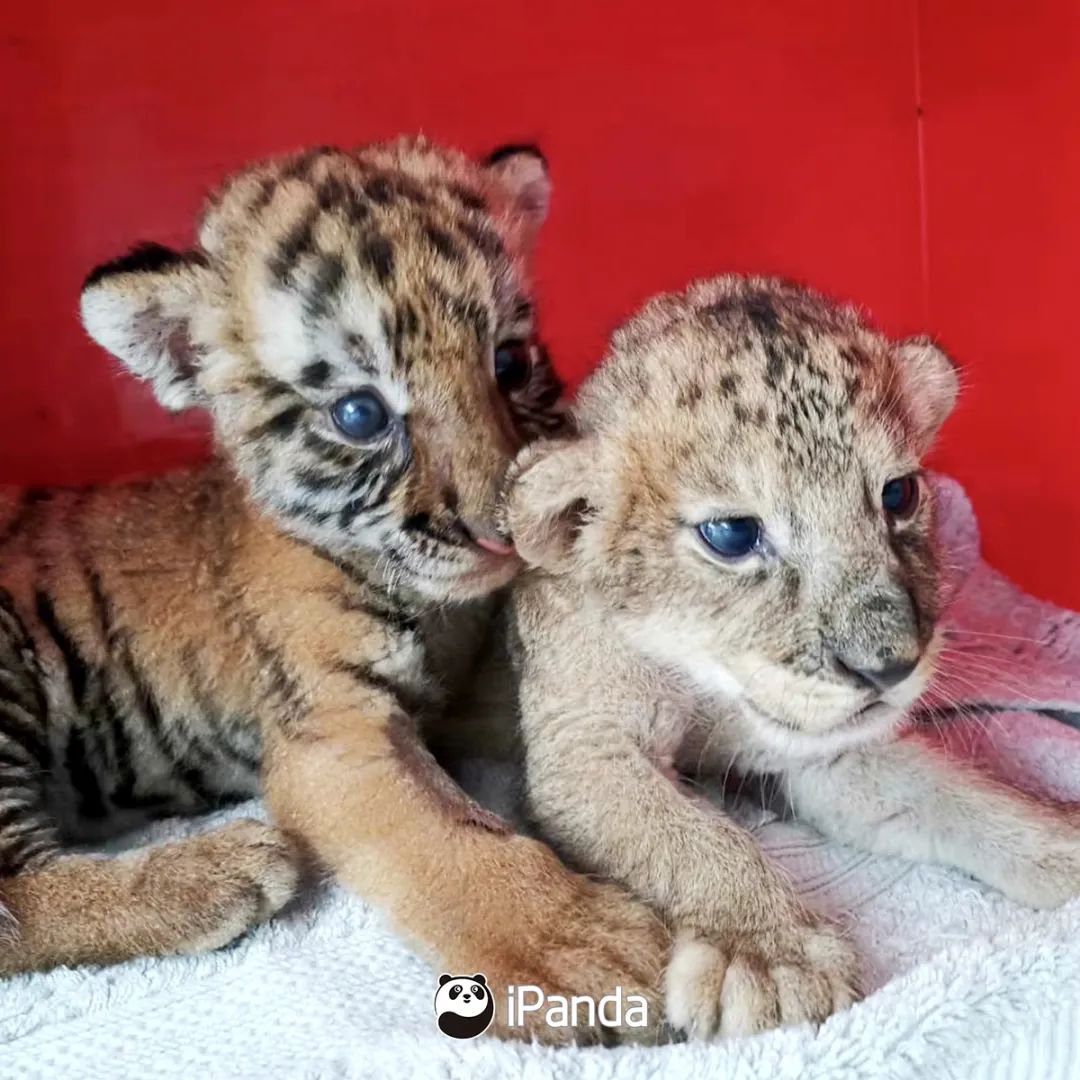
(878, 641)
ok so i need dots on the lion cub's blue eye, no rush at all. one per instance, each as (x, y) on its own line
(361, 415)
(899, 497)
(731, 537)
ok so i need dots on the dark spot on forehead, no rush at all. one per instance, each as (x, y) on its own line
(316, 373)
(690, 394)
(299, 167)
(297, 242)
(325, 286)
(761, 312)
(377, 253)
(719, 310)
(360, 352)
(775, 363)
(267, 189)
(379, 189)
(444, 243)
(408, 320)
(761, 415)
(395, 335)
(740, 412)
(729, 383)
(405, 187)
(336, 194)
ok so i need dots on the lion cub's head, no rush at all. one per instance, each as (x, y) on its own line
(744, 503)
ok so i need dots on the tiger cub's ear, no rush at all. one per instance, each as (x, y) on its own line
(522, 170)
(140, 307)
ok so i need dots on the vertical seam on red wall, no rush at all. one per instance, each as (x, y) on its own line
(920, 158)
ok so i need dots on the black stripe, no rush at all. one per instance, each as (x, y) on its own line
(83, 777)
(280, 425)
(310, 480)
(27, 737)
(400, 621)
(333, 453)
(468, 311)
(30, 847)
(316, 373)
(211, 715)
(297, 242)
(325, 287)
(77, 671)
(485, 239)
(377, 253)
(409, 700)
(468, 198)
(444, 243)
(264, 384)
(12, 814)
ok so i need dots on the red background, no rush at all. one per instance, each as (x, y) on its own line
(920, 157)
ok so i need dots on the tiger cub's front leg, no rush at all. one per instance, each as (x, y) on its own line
(356, 784)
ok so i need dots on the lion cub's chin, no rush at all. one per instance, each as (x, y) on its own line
(777, 739)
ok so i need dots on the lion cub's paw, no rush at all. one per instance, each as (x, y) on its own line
(1046, 871)
(754, 982)
(212, 888)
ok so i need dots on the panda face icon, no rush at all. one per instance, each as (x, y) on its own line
(464, 1006)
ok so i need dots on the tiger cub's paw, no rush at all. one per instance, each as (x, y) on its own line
(212, 888)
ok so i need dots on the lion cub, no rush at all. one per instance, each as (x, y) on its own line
(736, 568)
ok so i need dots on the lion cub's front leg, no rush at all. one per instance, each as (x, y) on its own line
(748, 955)
(908, 798)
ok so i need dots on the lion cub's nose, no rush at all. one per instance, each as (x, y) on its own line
(881, 678)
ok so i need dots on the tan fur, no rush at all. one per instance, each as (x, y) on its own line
(642, 651)
(290, 616)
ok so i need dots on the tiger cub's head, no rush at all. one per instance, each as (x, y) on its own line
(360, 326)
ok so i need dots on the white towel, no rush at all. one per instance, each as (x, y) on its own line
(963, 983)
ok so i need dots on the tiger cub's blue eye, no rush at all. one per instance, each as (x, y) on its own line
(733, 538)
(360, 415)
(899, 497)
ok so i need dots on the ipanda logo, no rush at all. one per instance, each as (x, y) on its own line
(465, 1007)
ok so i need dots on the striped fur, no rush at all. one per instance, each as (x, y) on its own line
(287, 617)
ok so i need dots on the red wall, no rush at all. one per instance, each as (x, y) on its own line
(685, 138)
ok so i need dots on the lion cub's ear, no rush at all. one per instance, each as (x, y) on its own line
(932, 386)
(552, 495)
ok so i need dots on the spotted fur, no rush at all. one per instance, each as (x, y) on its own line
(289, 616)
(644, 655)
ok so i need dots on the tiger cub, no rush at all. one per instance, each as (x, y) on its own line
(360, 328)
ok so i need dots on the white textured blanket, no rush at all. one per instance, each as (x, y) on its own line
(964, 984)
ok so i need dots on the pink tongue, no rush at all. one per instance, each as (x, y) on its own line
(496, 547)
